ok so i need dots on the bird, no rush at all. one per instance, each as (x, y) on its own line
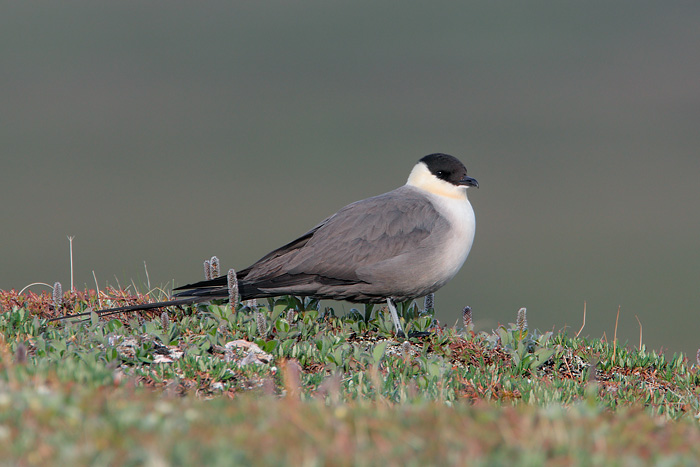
(393, 247)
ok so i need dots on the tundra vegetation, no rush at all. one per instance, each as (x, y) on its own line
(292, 381)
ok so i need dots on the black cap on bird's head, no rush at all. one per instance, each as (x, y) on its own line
(449, 169)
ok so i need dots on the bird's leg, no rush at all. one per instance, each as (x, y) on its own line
(395, 317)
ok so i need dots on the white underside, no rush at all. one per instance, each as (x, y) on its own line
(457, 248)
(452, 202)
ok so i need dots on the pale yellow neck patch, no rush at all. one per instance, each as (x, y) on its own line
(422, 178)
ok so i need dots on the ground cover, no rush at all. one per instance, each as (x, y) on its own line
(289, 381)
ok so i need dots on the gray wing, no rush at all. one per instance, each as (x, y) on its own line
(353, 240)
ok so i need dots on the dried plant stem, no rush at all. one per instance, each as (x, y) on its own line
(34, 283)
(148, 279)
(584, 319)
(640, 332)
(70, 248)
(615, 334)
(97, 289)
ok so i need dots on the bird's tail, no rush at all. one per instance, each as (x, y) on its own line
(191, 293)
(129, 308)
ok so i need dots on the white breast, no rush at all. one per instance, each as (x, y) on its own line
(459, 241)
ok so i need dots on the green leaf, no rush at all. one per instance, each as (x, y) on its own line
(378, 352)
(282, 325)
(541, 356)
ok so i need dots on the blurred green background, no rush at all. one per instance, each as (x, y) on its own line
(168, 132)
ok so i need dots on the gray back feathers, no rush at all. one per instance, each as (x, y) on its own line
(351, 246)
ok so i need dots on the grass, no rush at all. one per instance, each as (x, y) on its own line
(292, 383)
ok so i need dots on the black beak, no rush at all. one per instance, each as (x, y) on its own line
(469, 181)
